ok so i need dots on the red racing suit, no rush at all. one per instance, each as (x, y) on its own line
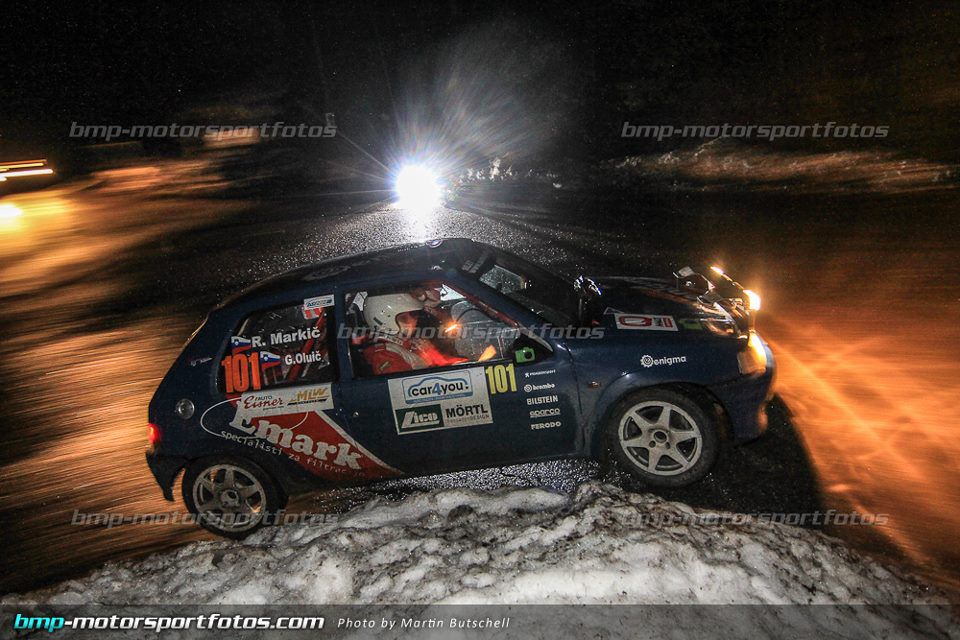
(393, 355)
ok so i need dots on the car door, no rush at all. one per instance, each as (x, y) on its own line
(483, 411)
(535, 398)
(424, 420)
(280, 393)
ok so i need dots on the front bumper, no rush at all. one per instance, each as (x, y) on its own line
(165, 470)
(745, 401)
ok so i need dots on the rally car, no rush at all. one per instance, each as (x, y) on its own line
(451, 355)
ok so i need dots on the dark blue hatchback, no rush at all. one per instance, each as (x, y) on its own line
(451, 355)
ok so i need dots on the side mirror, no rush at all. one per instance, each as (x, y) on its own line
(587, 290)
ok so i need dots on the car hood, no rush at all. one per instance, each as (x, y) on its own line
(623, 297)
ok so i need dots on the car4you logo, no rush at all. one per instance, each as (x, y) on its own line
(649, 361)
(440, 401)
(436, 388)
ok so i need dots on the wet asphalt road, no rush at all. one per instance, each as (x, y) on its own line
(101, 284)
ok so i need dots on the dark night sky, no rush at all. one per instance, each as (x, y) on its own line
(574, 69)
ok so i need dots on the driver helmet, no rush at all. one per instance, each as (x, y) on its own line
(380, 312)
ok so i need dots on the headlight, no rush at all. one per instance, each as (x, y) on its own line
(753, 300)
(418, 188)
(753, 359)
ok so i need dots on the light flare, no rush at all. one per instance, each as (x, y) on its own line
(417, 188)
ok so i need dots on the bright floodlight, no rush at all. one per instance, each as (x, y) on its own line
(417, 188)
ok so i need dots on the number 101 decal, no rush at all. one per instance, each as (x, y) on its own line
(501, 378)
(241, 372)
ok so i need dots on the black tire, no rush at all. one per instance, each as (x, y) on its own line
(221, 507)
(680, 457)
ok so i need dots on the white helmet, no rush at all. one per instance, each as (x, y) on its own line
(381, 312)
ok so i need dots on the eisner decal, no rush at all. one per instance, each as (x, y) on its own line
(643, 322)
(258, 404)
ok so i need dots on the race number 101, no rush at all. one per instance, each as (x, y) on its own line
(241, 372)
(501, 378)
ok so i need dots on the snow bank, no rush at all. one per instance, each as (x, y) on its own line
(504, 546)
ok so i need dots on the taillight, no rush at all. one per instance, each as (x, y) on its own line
(153, 434)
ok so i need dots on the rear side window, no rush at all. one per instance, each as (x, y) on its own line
(283, 346)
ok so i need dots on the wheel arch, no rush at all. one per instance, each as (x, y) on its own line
(615, 393)
(285, 481)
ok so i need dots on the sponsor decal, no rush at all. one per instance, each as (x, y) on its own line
(539, 387)
(649, 361)
(644, 322)
(291, 400)
(313, 307)
(294, 422)
(420, 418)
(435, 387)
(690, 324)
(544, 425)
(440, 401)
(533, 374)
(524, 354)
(542, 400)
(545, 413)
(197, 361)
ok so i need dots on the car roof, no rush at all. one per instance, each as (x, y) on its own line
(414, 258)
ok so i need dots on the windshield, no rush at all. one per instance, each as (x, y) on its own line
(536, 289)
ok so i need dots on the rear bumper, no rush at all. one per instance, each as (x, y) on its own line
(165, 470)
(745, 401)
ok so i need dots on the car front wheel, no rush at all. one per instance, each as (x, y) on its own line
(231, 497)
(663, 438)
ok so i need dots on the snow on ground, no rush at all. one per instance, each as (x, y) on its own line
(516, 545)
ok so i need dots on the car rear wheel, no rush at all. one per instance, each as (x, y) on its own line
(231, 497)
(662, 438)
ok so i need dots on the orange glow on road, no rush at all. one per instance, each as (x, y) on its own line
(875, 412)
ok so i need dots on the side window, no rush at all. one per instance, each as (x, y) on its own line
(423, 326)
(282, 346)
